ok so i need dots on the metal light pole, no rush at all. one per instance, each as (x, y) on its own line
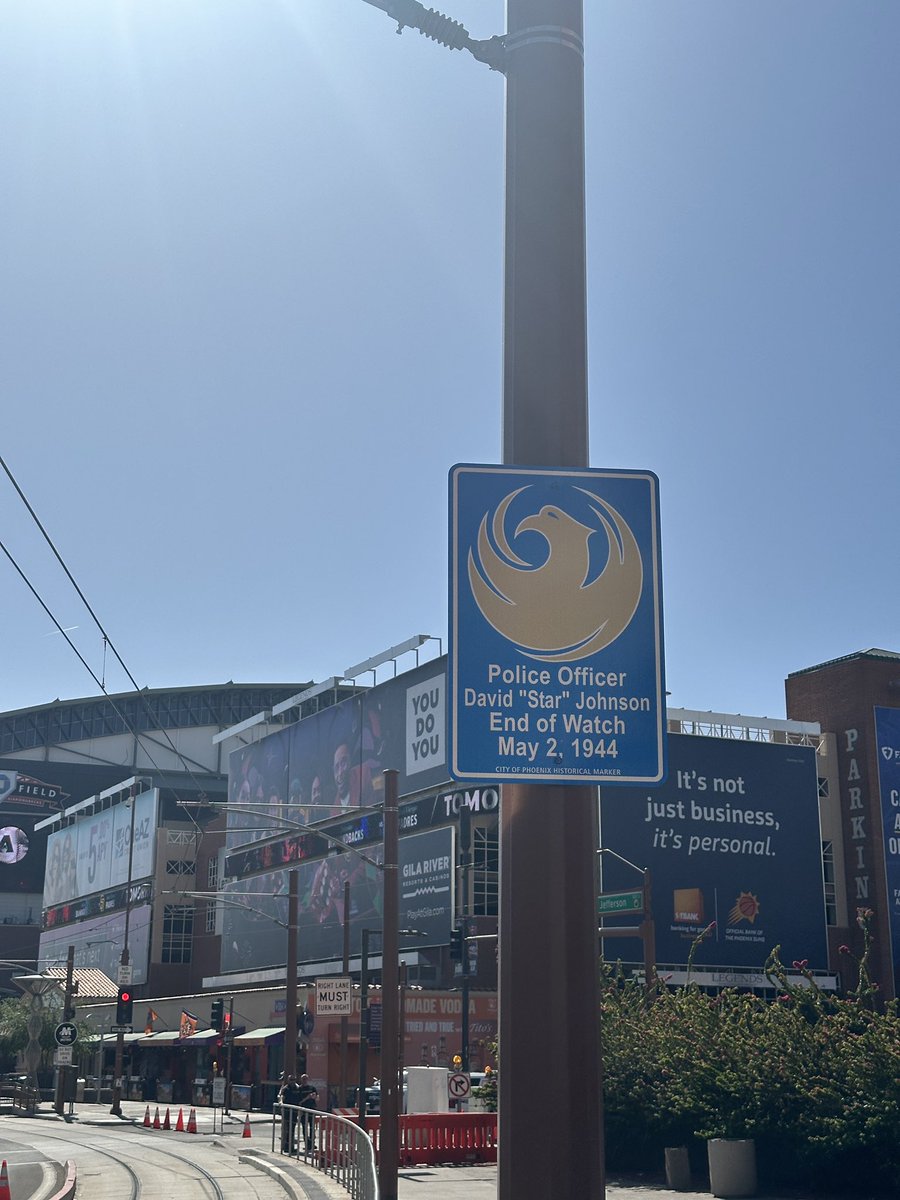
(62, 1074)
(229, 1050)
(465, 861)
(290, 1012)
(363, 1024)
(345, 1021)
(116, 1109)
(389, 1157)
(646, 931)
(548, 834)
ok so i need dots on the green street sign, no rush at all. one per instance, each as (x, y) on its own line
(613, 903)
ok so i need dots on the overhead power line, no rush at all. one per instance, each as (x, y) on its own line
(107, 642)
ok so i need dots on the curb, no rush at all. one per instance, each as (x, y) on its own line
(67, 1191)
(269, 1169)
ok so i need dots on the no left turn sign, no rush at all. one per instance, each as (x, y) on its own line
(458, 1084)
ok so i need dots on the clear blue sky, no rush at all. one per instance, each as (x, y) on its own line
(250, 314)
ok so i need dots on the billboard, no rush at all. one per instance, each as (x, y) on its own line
(255, 910)
(24, 801)
(556, 643)
(93, 854)
(887, 741)
(332, 762)
(99, 943)
(31, 791)
(733, 843)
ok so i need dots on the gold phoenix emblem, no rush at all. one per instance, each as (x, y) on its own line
(550, 611)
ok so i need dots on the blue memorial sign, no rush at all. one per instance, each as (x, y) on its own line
(556, 642)
(887, 740)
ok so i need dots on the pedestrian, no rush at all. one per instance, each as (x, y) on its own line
(308, 1100)
(289, 1099)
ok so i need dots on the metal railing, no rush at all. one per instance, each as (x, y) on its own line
(332, 1144)
(21, 1095)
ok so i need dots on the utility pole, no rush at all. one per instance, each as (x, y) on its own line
(290, 1003)
(551, 1138)
(363, 1026)
(465, 861)
(229, 1049)
(124, 962)
(389, 1156)
(62, 1075)
(345, 1021)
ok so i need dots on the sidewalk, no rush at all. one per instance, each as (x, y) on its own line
(475, 1182)
(480, 1183)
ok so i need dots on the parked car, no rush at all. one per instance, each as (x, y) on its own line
(373, 1099)
(373, 1096)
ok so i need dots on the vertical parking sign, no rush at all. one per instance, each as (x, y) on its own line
(556, 641)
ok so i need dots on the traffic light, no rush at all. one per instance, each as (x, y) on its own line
(456, 944)
(124, 1005)
(217, 1015)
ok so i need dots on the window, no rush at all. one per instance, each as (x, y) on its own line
(211, 916)
(485, 871)
(180, 866)
(181, 837)
(212, 874)
(178, 933)
(830, 886)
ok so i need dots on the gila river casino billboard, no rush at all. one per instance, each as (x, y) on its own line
(556, 640)
(733, 843)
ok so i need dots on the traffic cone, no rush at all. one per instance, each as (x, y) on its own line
(167, 1124)
(179, 1126)
(191, 1126)
(4, 1182)
(246, 1132)
(147, 1117)
(156, 1124)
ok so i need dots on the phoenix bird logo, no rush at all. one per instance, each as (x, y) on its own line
(551, 611)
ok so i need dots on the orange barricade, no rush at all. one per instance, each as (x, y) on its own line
(435, 1138)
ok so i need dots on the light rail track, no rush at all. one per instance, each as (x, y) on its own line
(150, 1168)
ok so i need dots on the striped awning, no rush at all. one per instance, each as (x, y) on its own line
(166, 1037)
(201, 1038)
(264, 1036)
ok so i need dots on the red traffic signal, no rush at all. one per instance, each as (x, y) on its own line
(124, 1006)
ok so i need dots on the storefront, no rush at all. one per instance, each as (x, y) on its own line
(256, 1068)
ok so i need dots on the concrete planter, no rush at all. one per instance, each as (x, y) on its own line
(732, 1166)
(678, 1169)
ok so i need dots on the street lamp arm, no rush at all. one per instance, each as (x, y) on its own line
(443, 29)
(222, 899)
(301, 826)
(627, 862)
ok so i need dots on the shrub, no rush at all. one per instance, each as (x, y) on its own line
(814, 1079)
